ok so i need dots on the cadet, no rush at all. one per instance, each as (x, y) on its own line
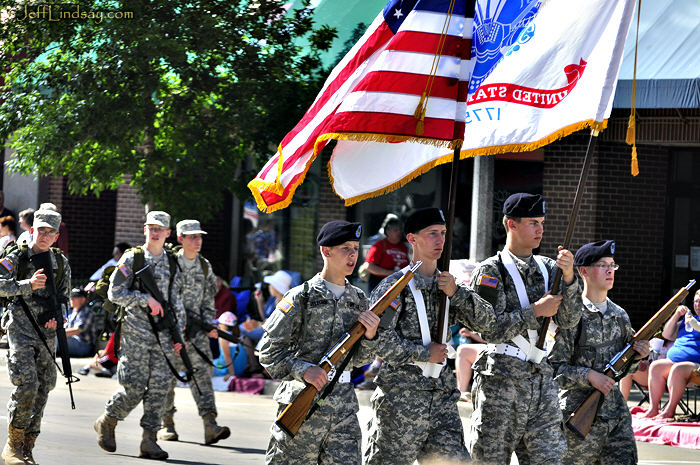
(31, 356)
(142, 371)
(197, 295)
(415, 404)
(579, 358)
(514, 392)
(304, 326)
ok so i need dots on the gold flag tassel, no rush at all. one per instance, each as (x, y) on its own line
(422, 106)
(631, 138)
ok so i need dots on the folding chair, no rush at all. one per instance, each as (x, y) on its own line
(687, 406)
(643, 391)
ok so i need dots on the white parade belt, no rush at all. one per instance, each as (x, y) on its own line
(506, 349)
(344, 376)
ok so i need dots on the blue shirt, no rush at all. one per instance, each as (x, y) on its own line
(82, 318)
(686, 347)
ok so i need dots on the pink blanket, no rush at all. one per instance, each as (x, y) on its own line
(246, 385)
(678, 434)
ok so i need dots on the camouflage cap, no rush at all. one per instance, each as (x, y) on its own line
(185, 227)
(158, 218)
(46, 218)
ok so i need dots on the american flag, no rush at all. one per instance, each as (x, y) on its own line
(406, 80)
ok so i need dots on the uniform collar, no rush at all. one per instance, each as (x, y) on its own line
(590, 306)
(424, 282)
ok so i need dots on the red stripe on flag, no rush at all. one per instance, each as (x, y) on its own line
(392, 124)
(425, 42)
(415, 84)
(376, 41)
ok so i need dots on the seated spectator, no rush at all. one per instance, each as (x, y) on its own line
(26, 219)
(105, 362)
(279, 283)
(224, 300)
(659, 348)
(466, 356)
(117, 253)
(233, 359)
(8, 231)
(682, 359)
(81, 341)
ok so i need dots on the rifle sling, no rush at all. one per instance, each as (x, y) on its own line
(184, 379)
(39, 332)
(330, 386)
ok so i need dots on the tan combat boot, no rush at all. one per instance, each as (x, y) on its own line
(13, 453)
(149, 449)
(213, 432)
(168, 433)
(105, 432)
(29, 440)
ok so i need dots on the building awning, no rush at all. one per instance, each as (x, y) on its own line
(668, 63)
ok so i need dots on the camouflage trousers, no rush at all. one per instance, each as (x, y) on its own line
(144, 376)
(415, 425)
(202, 374)
(331, 436)
(33, 373)
(516, 415)
(610, 442)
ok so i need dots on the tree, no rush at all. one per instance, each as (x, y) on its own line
(176, 94)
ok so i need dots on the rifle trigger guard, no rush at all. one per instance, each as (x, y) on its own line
(328, 361)
(611, 365)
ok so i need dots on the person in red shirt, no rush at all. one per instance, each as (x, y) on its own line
(387, 255)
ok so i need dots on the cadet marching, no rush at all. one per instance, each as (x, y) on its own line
(521, 393)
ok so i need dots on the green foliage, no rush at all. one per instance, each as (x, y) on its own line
(179, 96)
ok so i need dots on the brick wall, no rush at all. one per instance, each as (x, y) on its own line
(130, 214)
(217, 244)
(55, 192)
(630, 210)
(90, 222)
(331, 207)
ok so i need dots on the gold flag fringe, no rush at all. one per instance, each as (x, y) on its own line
(631, 138)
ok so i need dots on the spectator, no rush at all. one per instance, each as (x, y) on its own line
(79, 327)
(682, 359)
(279, 283)
(62, 241)
(105, 362)
(117, 253)
(659, 348)
(4, 211)
(467, 352)
(8, 231)
(387, 255)
(26, 219)
(233, 359)
(224, 300)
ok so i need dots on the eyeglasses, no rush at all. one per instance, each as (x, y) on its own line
(611, 266)
(156, 229)
(46, 232)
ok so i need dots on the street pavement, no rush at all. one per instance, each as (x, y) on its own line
(68, 437)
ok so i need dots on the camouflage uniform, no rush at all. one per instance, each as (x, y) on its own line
(143, 372)
(515, 401)
(30, 366)
(416, 417)
(197, 296)
(591, 345)
(301, 330)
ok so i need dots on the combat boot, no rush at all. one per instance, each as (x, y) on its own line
(168, 433)
(13, 453)
(29, 440)
(213, 432)
(104, 426)
(149, 449)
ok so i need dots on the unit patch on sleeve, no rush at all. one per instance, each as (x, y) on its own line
(7, 264)
(284, 306)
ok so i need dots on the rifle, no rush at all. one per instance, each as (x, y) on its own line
(43, 260)
(194, 324)
(582, 418)
(169, 322)
(299, 410)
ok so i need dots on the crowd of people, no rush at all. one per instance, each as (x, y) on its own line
(158, 303)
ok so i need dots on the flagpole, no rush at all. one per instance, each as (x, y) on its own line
(573, 215)
(444, 264)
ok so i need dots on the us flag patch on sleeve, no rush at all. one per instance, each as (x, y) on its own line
(284, 306)
(488, 281)
(394, 304)
(124, 270)
(7, 264)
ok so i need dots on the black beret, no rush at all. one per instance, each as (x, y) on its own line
(590, 253)
(524, 206)
(422, 218)
(338, 232)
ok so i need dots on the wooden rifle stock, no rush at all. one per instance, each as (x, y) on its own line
(581, 419)
(294, 415)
